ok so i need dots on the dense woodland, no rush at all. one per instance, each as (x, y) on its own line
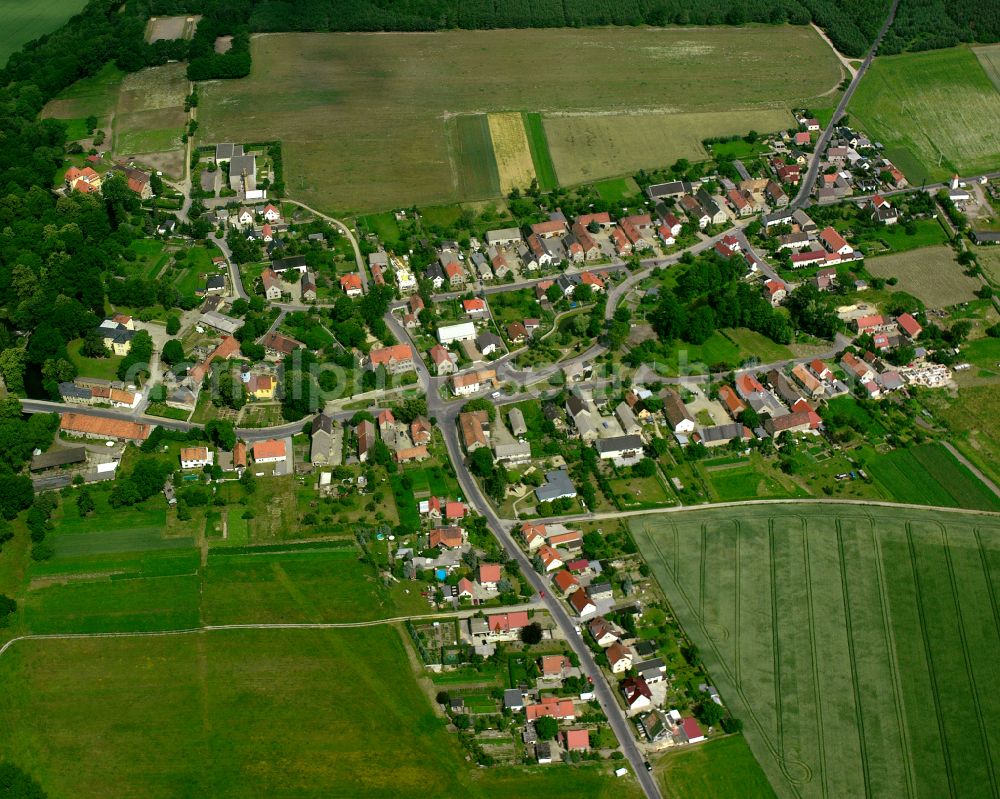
(851, 24)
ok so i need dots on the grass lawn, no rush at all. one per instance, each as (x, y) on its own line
(719, 767)
(727, 348)
(972, 416)
(946, 122)
(425, 97)
(856, 644)
(738, 149)
(383, 225)
(103, 368)
(753, 479)
(24, 22)
(278, 710)
(929, 233)
(616, 189)
(929, 475)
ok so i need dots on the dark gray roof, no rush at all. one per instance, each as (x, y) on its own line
(721, 432)
(322, 422)
(215, 282)
(673, 189)
(557, 484)
(58, 457)
(73, 390)
(486, 339)
(291, 262)
(618, 443)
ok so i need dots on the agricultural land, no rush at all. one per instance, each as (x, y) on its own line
(937, 113)
(25, 21)
(931, 274)
(857, 644)
(291, 712)
(389, 113)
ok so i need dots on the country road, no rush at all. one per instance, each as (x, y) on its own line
(212, 628)
(809, 181)
(860, 503)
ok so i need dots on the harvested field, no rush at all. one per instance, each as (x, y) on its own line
(510, 146)
(150, 117)
(153, 88)
(170, 28)
(931, 274)
(587, 147)
(989, 260)
(858, 645)
(989, 57)
(388, 113)
(947, 121)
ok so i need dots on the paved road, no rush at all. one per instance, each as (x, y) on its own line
(616, 718)
(802, 199)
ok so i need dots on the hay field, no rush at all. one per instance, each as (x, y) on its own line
(936, 112)
(150, 117)
(989, 58)
(25, 20)
(588, 147)
(931, 274)
(510, 145)
(858, 645)
(364, 117)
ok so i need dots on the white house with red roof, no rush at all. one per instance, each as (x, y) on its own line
(834, 242)
(351, 284)
(271, 214)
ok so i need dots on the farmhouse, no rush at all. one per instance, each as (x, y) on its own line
(96, 427)
(681, 421)
(196, 457)
(271, 450)
(623, 450)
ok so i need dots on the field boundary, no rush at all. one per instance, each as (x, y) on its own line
(211, 628)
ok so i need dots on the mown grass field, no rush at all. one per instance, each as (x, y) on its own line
(587, 147)
(473, 161)
(282, 713)
(720, 767)
(538, 143)
(24, 21)
(389, 111)
(929, 475)
(857, 644)
(97, 95)
(931, 274)
(936, 112)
